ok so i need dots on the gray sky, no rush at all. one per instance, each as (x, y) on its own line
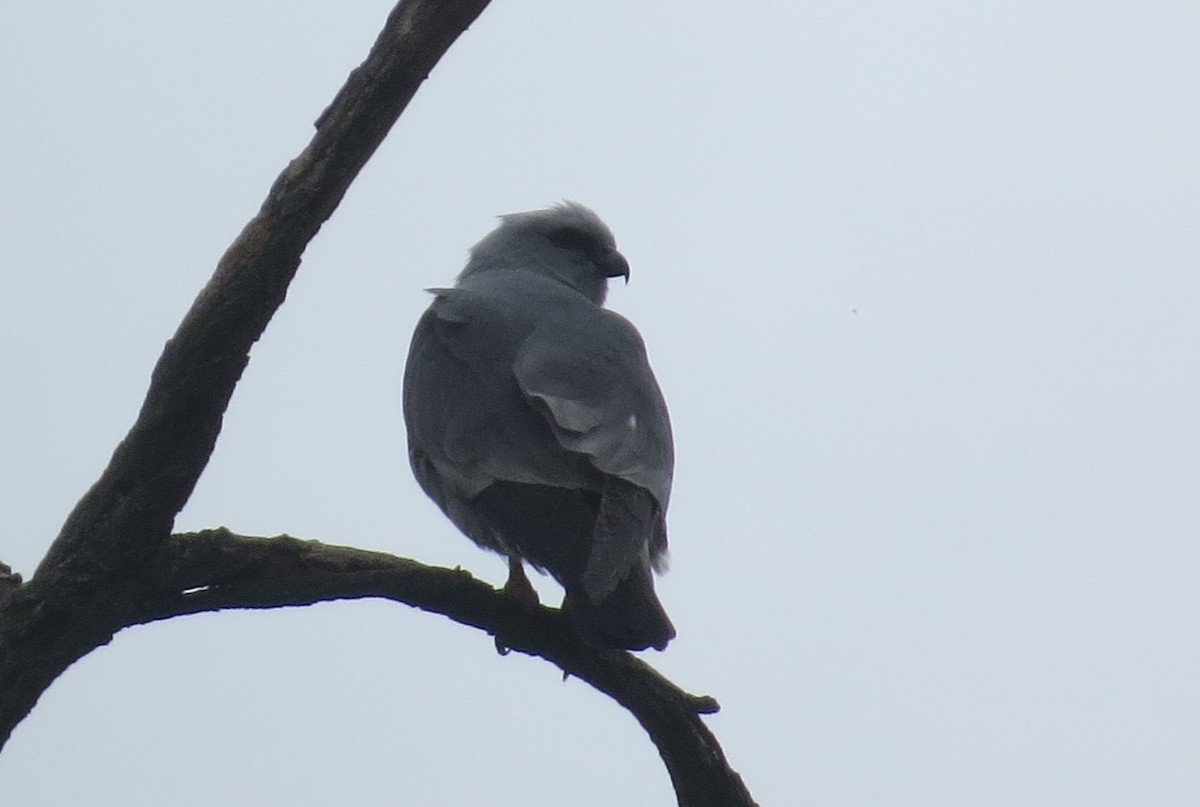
(920, 282)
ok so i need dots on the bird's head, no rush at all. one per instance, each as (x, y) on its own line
(567, 242)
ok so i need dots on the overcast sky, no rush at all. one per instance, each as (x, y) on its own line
(920, 282)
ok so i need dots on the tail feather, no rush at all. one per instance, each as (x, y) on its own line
(629, 618)
(595, 546)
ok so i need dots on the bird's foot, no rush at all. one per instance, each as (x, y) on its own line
(520, 590)
(518, 586)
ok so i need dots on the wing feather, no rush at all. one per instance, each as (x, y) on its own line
(593, 381)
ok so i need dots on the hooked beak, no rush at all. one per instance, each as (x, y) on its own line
(616, 266)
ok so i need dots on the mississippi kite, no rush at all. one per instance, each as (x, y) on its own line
(535, 422)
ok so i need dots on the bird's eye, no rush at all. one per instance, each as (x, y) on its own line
(571, 238)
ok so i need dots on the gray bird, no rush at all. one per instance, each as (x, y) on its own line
(535, 422)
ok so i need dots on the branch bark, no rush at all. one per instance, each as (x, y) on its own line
(90, 580)
(215, 570)
(115, 563)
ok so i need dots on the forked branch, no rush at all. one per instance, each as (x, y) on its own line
(92, 577)
(115, 562)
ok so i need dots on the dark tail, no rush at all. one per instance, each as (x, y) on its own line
(630, 618)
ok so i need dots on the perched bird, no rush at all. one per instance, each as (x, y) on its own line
(535, 422)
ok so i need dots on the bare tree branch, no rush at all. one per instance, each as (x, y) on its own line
(115, 563)
(154, 469)
(215, 570)
(89, 581)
